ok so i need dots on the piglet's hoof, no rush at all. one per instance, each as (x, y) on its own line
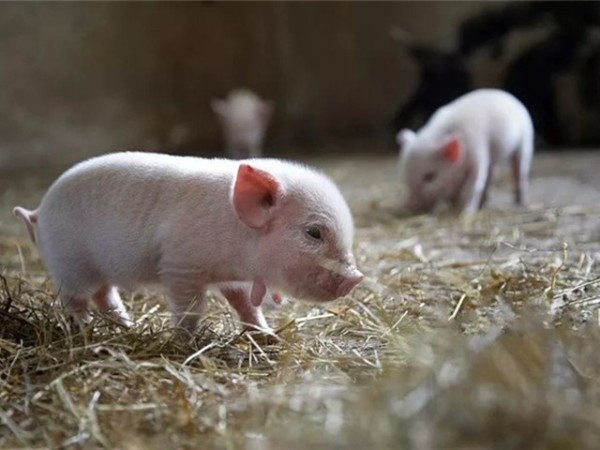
(260, 337)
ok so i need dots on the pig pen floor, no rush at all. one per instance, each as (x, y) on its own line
(478, 332)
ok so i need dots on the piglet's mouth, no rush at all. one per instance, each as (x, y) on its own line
(418, 206)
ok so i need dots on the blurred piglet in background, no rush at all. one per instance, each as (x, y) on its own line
(188, 223)
(244, 117)
(452, 157)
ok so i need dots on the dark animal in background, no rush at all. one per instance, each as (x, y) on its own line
(443, 76)
(589, 94)
(589, 89)
(532, 75)
(532, 78)
(489, 27)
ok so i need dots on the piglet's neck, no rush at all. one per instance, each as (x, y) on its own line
(238, 256)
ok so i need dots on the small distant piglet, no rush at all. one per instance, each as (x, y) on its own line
(126, 219)
(244, 118)
(452, 157)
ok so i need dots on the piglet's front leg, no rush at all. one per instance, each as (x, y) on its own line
(473, 190)
(259, 290)
(251, 316)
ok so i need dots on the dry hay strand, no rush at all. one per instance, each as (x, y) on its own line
(524, 386)
(107, 386)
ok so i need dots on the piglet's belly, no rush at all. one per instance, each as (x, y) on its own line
(112, 260)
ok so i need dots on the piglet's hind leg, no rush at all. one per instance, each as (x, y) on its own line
(187, 303)
(520, 169)
(486, 188)
(76, 305)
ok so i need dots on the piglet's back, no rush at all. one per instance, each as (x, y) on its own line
(105, 204)
(128, 184)
(492, 110)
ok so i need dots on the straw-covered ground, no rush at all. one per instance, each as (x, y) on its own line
(480, 332)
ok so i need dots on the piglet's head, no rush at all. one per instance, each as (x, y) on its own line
(304, 229)
(434, 171)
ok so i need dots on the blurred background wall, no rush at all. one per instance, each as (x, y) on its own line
(78, 79)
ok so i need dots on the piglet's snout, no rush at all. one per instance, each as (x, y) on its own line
(349, 281)
(341, 275)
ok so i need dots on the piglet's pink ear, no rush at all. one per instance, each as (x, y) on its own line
(255, 193)
(453, 150)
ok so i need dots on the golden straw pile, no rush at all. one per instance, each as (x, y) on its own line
(467, 333)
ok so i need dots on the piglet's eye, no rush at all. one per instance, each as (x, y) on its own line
(429, 177)
(314, 232)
